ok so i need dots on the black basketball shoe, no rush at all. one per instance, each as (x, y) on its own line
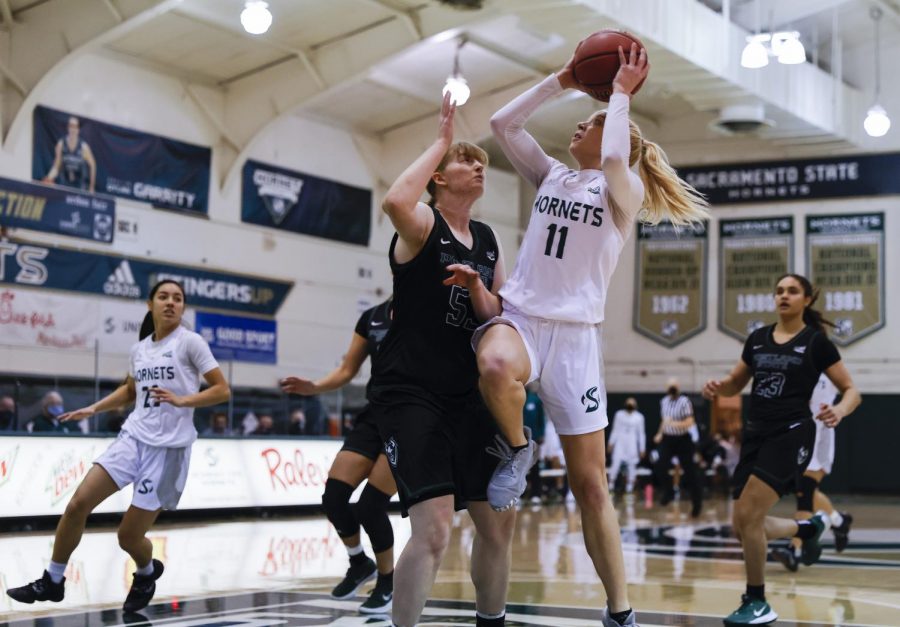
(42, 589)
(360, 572)
(786, 556)
(143, 587)
(381, 598)
(842, 533)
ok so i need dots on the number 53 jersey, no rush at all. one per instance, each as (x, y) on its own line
(175, 364)
(570, 249)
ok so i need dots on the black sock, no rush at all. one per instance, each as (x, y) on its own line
(386, 579)
(757, 592)
(481, 621)
(805, 530)
(620, 617)
(516, 449)
(359, 558)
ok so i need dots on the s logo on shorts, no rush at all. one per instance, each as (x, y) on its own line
(589, 400)
(390, 450)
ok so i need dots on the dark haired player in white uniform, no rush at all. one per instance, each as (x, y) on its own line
(361, 458)
(447, 269)
(785, 361)
(152, 452)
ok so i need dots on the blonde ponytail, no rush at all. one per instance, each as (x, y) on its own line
(666, 196)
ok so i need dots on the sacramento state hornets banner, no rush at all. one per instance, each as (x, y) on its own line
(845, 261)
(752, 255)
(670, 294)
(294, 201)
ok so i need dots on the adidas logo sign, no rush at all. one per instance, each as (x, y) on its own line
(121, 282)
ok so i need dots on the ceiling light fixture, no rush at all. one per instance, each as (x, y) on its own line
(256, 17)
(784, 45)
(456, 84)
(877, 122)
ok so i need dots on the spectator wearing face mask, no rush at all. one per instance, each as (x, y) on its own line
(7, 413)
(48, 419)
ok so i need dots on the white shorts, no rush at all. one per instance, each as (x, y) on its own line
(567, 358)
(158, 473)
(552, 447)
(823, 451)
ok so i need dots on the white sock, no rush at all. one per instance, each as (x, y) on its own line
(145, 570)
(57, 571)
(836, 519)
(355, 550)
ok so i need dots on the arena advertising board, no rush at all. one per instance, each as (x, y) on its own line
(55, 210)
(39, 474)
(800, 179)
(293, 201)
(236, 338)
(845, 261)
(73, 151)
(670, 289)
(36, 265)
(752, 255)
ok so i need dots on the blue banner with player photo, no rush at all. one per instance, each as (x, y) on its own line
(236, 338)
(302, 203)
(36, 265)
(55, 210)
(93, 156)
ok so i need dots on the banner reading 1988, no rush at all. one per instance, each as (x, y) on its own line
(845, 261)
(752, 255)
(670, 293)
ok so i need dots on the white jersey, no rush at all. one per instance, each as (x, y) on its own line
(628, 437)
(572, 244)
(823, 394)
(175, 364)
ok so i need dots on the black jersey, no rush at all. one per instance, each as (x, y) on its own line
(74, 171)
(373, 325)
(785, 375)
(429, 345)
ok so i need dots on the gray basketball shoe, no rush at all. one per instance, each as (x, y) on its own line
(511, 475)
(607, 621)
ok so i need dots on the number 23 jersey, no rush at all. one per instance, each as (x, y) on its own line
(569, 252)
(175, 364)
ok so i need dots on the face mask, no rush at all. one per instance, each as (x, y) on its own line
(630, 407)
(55, 410)
(673, 391)
(6, 417)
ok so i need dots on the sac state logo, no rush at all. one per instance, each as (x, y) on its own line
(802, 454)
(278, 192)
(589, 400)
(390, 451)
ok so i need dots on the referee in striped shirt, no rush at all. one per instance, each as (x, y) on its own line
(674, 440)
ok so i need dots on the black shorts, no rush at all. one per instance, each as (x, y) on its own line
(364, 438)
(436, 447)
(776, 456)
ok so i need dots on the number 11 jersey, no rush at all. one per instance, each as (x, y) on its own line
(569, 252)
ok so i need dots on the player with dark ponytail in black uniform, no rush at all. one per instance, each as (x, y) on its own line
(435, 428)
(785, 361)
(360, 458)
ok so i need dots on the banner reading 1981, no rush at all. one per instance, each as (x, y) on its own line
(845, 261)
(752, 255)
(670, 295)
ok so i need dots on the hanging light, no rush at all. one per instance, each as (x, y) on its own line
(786, 45)
(755, 54)
(256, 17)
(877, 122)
(456, 84)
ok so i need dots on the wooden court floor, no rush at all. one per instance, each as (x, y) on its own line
(278, 572)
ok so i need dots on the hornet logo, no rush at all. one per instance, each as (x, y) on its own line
(589, 400)
(390, 451)
(802, 454)
(279, 192)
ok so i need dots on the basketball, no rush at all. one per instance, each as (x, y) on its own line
(597, 61)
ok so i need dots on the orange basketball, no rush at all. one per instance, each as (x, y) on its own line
(597, 61)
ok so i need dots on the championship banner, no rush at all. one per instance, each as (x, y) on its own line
(799, 179)
(34, 318)
(34, 265)
(752, 255)
(54, 210)
(845, 261)
(235, 338)
(81, 153)
(670, 290)
(302, 203)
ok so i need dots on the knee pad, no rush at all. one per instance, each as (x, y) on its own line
(336, 503)
(371, 511)
(805, 493)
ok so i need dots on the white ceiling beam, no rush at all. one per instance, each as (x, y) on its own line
(6, 14)
(781, 14)
(13, 80)
(112, 9)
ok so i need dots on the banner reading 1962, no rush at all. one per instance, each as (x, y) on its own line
(845, 261)
(670, 295)
(752, 255)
